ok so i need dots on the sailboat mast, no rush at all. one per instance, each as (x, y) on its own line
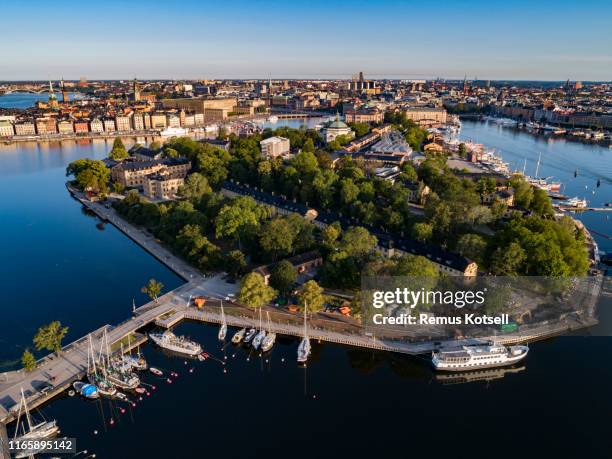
(537, 174)
(25, 409)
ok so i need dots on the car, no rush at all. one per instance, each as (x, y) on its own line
(45, 389)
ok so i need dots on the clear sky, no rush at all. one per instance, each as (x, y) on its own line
(513, 39)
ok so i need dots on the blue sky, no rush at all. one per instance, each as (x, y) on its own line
(547, 40)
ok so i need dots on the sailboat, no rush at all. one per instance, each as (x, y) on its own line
(304, 348)
(270, 337)
(223, 327)
(118, 374)
(98, 378)
(130, 362)
(259, 337)
(238, 336)
(33, 432)
(250, 334)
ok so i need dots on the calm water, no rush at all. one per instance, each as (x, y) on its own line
(26, 99)
(60, 263)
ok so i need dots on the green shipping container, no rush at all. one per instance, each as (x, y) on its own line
(507, 328)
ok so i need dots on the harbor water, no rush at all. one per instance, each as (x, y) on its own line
(61, 263)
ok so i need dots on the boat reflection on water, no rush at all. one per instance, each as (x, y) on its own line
(477, 375)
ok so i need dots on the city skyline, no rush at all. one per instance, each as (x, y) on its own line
(516, 41)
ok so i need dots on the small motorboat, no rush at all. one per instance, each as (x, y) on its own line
(86, 390)
(156, 371)
(238, 336)
(121, 396)
(140, 390)
(250, 335)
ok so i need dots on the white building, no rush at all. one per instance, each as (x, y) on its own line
(336, 129)
(273, 147)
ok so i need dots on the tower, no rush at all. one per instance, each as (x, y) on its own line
(64, 92)
(465, 85)
(52, 98)
(136, 89)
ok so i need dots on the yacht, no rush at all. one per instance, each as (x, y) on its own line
(131, 362)
(270, 337)
(575, 202)
(250, 335)
(179, 344)
(304, 348)
(173, 132)
(86, 390)
(273, 119)
(40, 431)
(480, 356)
(122, 378)
(223, 328)
(238, 336)
(259, 337)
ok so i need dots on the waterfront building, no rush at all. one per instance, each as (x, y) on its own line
(109, 125)
(81, 127)
(46, 126)
(96, 125)
(25, 128)
(65, 127)
(335, 129)
(158, 121)
(213, 109)
(6, 129)
(134, 173)
(123, 123)
(189, 120)
(425, 116)
(138, 122)
(273, 147)
(199, 119)
(162, 186)
(174, 121)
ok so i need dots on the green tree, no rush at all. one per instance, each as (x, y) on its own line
(541, 204)
(118, 187)
(311, 296)
(462, 150)
(28, 360)
(472, 246)
(309, 146)
(152, 288)
(276, 238)
(196, 186)
(118, 152)
(348, 191)
(235, 263)
(254, 292)
(358, 242)
(90, 174)
(238, 217)
(155, 145)
(283, 276)
(506, 261)
(422, 231)
(50, 337)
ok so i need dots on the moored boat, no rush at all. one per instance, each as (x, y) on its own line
(178, 344)
(250, 335)
(238, 336)
(86, 390)
(480, 356)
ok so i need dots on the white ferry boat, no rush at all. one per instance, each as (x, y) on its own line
(575, 202)
(481, 356)
(179, 344)
(173, 132)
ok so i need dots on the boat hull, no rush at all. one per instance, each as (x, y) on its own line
(458, 367)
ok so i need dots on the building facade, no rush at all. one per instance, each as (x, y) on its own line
(273, 147)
